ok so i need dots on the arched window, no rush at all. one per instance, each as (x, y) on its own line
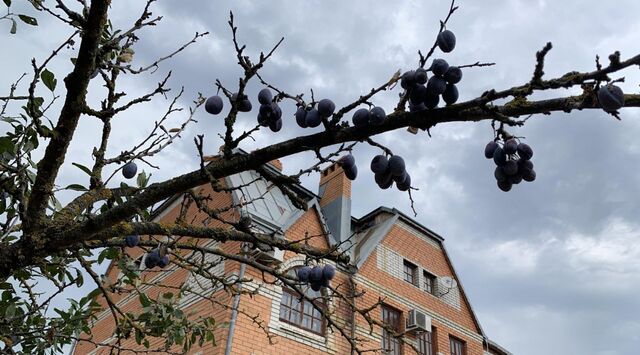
(300, 311)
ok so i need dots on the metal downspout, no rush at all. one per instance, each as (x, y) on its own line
(234, 311)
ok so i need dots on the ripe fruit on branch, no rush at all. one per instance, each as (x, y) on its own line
(328, 272)
(132, 240)
(326, 107)
(489, 149)
(408, 80)
(524, 151)
(361, 117)
(610, 97)
(152, 259)
(511, 146)
(446, 41)
(396, 165)
(499, 156)
(243, 103)
(316, 274)
(303, 273)
(404, 185)
(301, 117)
(450, 94)
(421, 76)
(436, 85)
(379, 164)
(129, 170)
(164, 261)
(377, 116)
(453, 75)
(439, 67)
(313, 118)
(214, 105)
(265, 96)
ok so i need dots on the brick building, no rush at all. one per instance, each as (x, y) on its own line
(394, 259)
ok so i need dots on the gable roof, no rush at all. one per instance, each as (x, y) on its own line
(373, 236)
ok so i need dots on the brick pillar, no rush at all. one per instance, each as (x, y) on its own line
(335, 201)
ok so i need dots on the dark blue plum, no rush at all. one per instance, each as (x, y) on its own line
(303, 273)
(499, 174)
(524, 151)
(396, 165)
(529, 175)
(265, 96)
(263, 120)
(510, 167)
(152, 259)
(511, 146)
(453, 75)
(515, 179)
(421, 76)
(408, 80)
(129, 170)
(316, 285)
(611, 98)
(490, 148)
(405, 185)
(524, 165)
(351, 172)
(418, 94)
(504, 185)
(313, 118)
(164, 261)
(316, 274)
(398, 179)
(439, 67)
(431, 101)
(499, 157)
(214, 105)
(275, 125)
(417, 108)
(326, 107)
(450, 94)
(132, 240)
(379, 164)
(301, 117)
(384, 180)
(377, 116)
(361, 117)
(436, 86)
(347, 161)
(328, 272)
(446, 41)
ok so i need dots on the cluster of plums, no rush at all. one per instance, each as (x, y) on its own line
(317, 277)
(364, 117)
(348, 164)
(388, 171)
(610, 97)
(424, 92)
(153, 258)
(513, 162)
(312, 116)
(270, 114)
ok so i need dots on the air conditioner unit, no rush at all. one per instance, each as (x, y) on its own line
(418, 321)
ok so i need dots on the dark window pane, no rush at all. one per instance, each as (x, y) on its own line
(410, 272)
(301, 312)
(425, 344)
(391, 317)
(457, 346)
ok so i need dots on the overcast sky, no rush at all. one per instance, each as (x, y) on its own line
(552, 267)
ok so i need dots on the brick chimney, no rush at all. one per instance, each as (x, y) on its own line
(335, 200)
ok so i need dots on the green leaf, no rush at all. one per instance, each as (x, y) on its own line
(14, 27)
(142, 179)
(76, 187)
(49, 79)
(7, 2)
(83, 168)
(28, 20)
(6, 145)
